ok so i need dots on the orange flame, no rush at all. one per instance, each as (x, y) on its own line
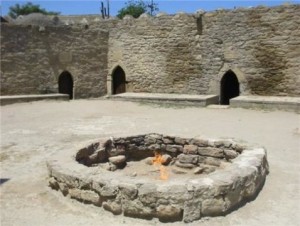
(159, 160)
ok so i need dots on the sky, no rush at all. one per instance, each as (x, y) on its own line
(77, 7)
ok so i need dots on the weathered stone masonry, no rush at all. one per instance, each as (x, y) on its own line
(182, 53)
(32, 58)
(190, 53)
(186, 198)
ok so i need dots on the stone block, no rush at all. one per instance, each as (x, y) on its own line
(117, 160)
(109, 191)
(201, 159)
(149, 140)
(168, 213)
(155, 136)
(113, 207)
(199, 142)
(154, 147)
(213, 207)
(184, 165)
(137, 140)
(63, 175)
(238, 147)
(190, 149)
(129, 191)
(166, 159)
(148, 194)
(230, 154)
(218, 143)
(184, 158)
(192, 210)
(137, 209)
(168, 141)
(212, 152)
(174, 148)
(180, 141)
(86, 196)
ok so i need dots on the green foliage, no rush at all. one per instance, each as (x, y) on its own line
(136, 8)
(17, 10)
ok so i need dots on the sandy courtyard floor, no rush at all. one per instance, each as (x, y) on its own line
(31, 132)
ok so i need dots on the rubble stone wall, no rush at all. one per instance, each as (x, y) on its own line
(187, 53)
(32, 58)
(182, 53)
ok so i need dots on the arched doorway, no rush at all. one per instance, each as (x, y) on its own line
(230, 87)
(65, 84)
(118, 81)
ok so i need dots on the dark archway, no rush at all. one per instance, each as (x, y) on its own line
(230, 87)
(65, 84)
(118, 81)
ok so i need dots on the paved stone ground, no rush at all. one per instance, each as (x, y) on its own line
(31, 132)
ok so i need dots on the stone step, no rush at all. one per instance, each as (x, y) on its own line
(184, 99)
(267, 103)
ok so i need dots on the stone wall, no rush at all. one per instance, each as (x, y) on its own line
(33, 57)
(261, 45)
(182, 53)
(157, 54)
(190, 53)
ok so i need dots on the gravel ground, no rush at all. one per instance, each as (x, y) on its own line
(31, 132)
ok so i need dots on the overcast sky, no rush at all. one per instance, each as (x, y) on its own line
(71, 7)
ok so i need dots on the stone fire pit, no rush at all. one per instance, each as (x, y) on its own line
(153, 175)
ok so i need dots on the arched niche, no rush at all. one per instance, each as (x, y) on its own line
(229, 87)
(65, 84)
(118, 80)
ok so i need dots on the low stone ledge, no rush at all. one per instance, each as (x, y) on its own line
(182, 99)
(267, 103)
(186, 198)
(5, 100)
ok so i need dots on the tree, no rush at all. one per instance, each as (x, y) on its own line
(17, 10)
(137, 8)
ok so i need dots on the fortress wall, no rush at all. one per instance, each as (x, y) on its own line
(262, 45)
(190, 53)
(182, 53)
(32, 58)
(157, 53)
